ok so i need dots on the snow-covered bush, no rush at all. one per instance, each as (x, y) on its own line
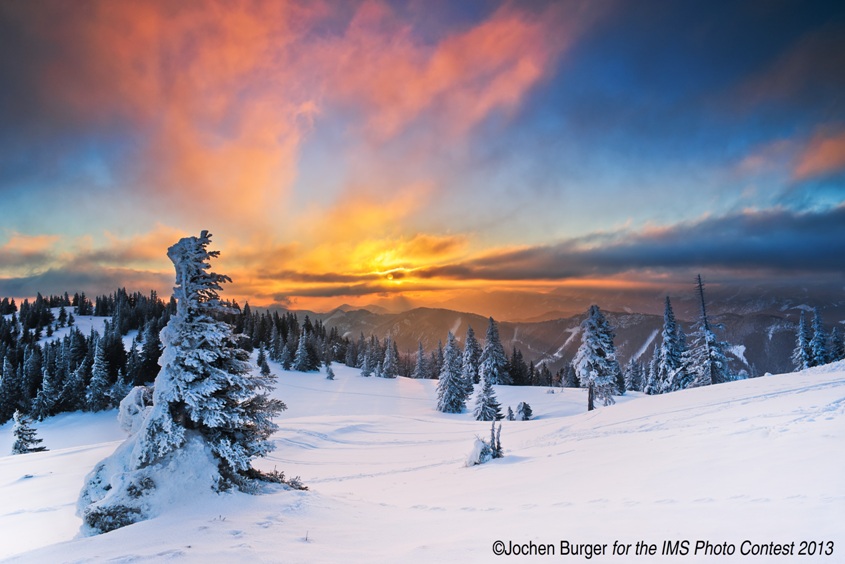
(524, 411)
(133, 409)
(484, 451)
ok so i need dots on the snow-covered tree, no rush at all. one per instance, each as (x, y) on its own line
(493, 362)
(390, 368)
(524, 411)
(510, 415)
(837, 345)
(487, 407)
(25, 436)
(329, 373)
(97, 395)
(300, 359)
(818, 343)
(420, 367)
(451, 392)
(634, 376)
(705, 359)
(472, 358)
(211, 414)
(671, 373)
(595, 362)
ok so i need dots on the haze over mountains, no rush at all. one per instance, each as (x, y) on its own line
(759, 324)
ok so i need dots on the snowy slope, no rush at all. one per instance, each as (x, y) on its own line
(758, 459)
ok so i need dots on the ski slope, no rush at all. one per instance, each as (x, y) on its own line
(757, 460)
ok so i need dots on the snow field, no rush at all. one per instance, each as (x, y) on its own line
(757, 459)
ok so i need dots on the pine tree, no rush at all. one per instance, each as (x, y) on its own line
(802, 354)
(300, 359)
(25, 436)
(705, 359)
(390, 368)
(524, 411)
(595, 362)
(207, 400)
(837, 345)
(671, 372)
(451, 393)
(472, 358)
(487, 407)
(510, 415)
(97, 394)
(10, 386)
(818, 344)
(150, 354)
(420, 367)
(493, 362)
(634, 376)
(329, 373)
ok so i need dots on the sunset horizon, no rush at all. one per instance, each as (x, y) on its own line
(499, 158)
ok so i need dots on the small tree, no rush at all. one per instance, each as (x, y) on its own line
(487, 407)
(451, 393)
(25, 439)
(595, 362)
(524, 411)
(510, 416)
(493, 362)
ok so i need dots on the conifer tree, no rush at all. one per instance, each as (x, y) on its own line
(634, 376)
(390, 368)
(97, 394)
(524, 411)
(487, 407)
(595, 362)
(671, 372)
(420, 368)
(493, 362)
(510, 415)
(207, 402)
(472, 358)
(818, 344)
(802, 354)
(451, 392)
(25, 436)
(837, 345)
(706, 360)
(300, 359)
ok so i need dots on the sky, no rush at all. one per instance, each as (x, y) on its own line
(423, 153)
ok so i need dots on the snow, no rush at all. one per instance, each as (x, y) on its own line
(757, 459)
(739, 352)
(645, 346)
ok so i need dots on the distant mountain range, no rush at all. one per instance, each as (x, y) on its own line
(759, 328)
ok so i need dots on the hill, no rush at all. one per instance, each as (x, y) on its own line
(756, 459)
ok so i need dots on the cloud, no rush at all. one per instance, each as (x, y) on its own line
(823, 155)
(382, 66)
(777, 240)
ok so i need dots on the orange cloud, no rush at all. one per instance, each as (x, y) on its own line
(824, 154)
(381, 66)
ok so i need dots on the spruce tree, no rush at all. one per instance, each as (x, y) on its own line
(390, 368)
(25, 436)
(207, 402)
(705, 359)
(524, 411)
(633, 376)
(300, 359)
(493, 362)
(420, 366)
(818, 344)
(837, 345)
(472, 358)
(671, 372)
(451, 392)
(487, 407)
(97, 395)
(595, 362)
(802, 354)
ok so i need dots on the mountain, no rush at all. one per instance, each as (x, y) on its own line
(761, 331)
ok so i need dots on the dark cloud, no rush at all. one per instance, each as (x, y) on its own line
(92, 281)
(777, 240)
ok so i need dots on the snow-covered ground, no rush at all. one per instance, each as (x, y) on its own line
(759, 460)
